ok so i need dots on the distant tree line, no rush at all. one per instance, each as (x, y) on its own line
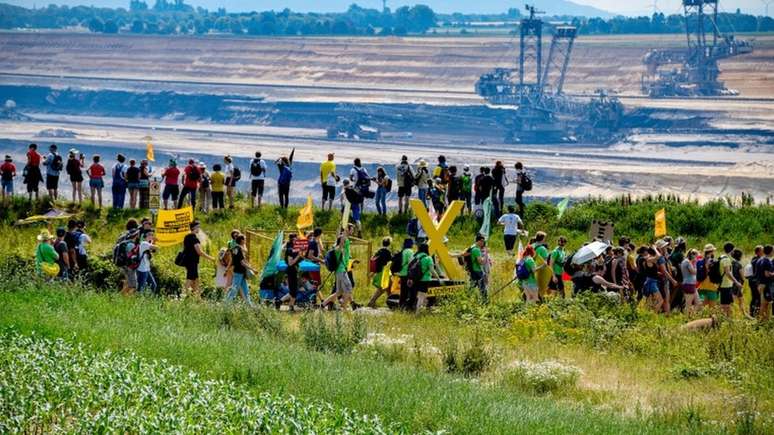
(168, 17)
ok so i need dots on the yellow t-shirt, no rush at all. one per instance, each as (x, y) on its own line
(728, 281)
(217, 181)
(326, 168)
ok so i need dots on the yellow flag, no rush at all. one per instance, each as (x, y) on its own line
(386, 275)
(306, 216)
(149, 152)
(173, 225)
(661, 228)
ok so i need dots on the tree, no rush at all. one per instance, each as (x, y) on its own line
(96, 25)
(236, 27)
(138, 26)
(138, 5)
(111, 27)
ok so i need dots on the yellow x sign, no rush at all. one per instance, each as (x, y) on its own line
(436, 233)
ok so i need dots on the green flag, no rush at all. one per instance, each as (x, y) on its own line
(485, 227)
(270, 268)
(562, 206)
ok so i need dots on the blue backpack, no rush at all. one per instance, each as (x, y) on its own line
(522, 271)
(701, 270)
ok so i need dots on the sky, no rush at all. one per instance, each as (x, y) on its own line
(630, 7)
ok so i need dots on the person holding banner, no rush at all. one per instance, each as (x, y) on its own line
(192, 251)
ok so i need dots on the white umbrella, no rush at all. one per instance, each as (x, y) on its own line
(589, 252)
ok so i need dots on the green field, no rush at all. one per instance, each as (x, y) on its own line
(587, 365)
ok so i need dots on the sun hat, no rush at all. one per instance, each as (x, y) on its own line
(8, 158)
(709, 247)
(466, 168)
(662, 243)
(422, 164)
(44, 235)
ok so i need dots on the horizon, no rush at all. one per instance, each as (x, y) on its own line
(614, 7)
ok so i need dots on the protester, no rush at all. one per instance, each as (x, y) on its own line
(328, 180)
(708, 291)
(241, 269)
(556, 262)
(737, 272)
(133, 182)
(667, 282)
(283, 182)
(218, 187)
(405, 300)
(404, 176)
(205, 189)
(520, 186)
(360, 179)
(617, 273)
(454, 188)
(82, 255)
(60, 246)
(688, 272)
(191, 177)
(73, 239)
(353, 195)
(441, 171)
(233, 175)
(423, 181)
(7, 174)
(379, 261)
(475, 262)
(485, 186)
(467, 189)
(428, 273)
(438, 197)
(650, 288)
(751, 273)
(32, 175)
(123, 252)
(171, 176)
(96, 173)
(192, 251)
(292, 259)
(46, 258)
(384, 186)
(119, 182)
(511, 221)
(343, 283)
(54, 166)
(144, 274)
(314, 250)
(143, 185)
(729, 281)
(765, 278)
(257, 180)
(500, 182)
(529, 285)
(74, 169)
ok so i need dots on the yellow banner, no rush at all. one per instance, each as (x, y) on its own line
(306, 216)
(661, 228)
(173, 225)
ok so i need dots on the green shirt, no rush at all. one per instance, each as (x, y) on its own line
(407, 255)
(529, 262)
(45, 254)
(426, 262)
(475, 254)
(343, 258)
(542, 251)
(725, 262)
(557, 256)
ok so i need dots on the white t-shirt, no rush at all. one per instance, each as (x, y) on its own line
(145, 264)
(83, 240)
(229, 170)
(262, 163)
(511, 222)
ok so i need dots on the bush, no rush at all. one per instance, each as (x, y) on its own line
(337, 336)
(470, 360)
(543, 377)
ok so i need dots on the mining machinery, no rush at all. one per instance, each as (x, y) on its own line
(693, 72)
(542, 112)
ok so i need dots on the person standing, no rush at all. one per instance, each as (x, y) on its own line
(133, 182)
(404, 176)
(81, 253)
(352, 195)
(205, 187)
(405, 301)
(292, 259)
(380, 260)
(191, 178)
(143, 186)
(218, 186)
(467, 189)
(556, 263)
(96, 173)
(738, 273)
(530, 285)
(454, 189)
(688, 272)
(46, 257)
(423, 182)
(328, 180)
(144, 274)
(171, 177)
(442, 171)
(54, 166)
(32, 175)
(74, 169)
(765, 278)
(343, 284)
(500, 182)
(708, 291)
(511, 221)
(241, 270)
(60, 246)
(476, 262)
(486, 185)
(521, 184)
(192, 252)
(283, 182)
(232, 177)
(752, 281)
(119, 182)
(729, 281)
(427, 267)
(7, 174)
(384, 185)
(360, 179)
(257, 180)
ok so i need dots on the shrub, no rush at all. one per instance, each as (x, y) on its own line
(337, 336)
(543, 377)
(470, 360)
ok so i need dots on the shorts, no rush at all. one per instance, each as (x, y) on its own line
(421, 287)
(737, 292)
(231, 182)
(510, 242)
(76, 178)
(689, 289)
(96, 183)
(171, 191)
(192, 272)
(404, 191)
(343, 284)
(133, 185)
(131, 277)
(356, 212)
(257, 188)
(7, 186)
(558, 285)
(766, 290)
(708, 295)
(329, 192)
(650, 287)
(527, 288)
(52, 182)
(726, 295)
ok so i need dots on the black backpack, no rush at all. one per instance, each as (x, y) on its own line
(397, 262)
(195, 174)
(468, 259)
(568, 267)
(388, 188)
(408, 179)
(255, 168)
(237, 175)
(332, 260)
(362, 178)
(526, 182)
(123, 257)
(56, 164)
(415, 268)
(714, 274)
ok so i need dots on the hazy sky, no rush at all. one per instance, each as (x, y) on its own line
(627, 7)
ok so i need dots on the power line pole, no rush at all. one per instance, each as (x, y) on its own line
(766, 4)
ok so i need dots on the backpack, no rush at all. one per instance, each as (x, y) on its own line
(467, 183)
(56, 164)
(236, 175)
(715, 275)
(444, 175)
(408, 179)
(412, 229)
(388, 187)
(397, 262)
(122, 257)
(568, 267)
(362, 178)
(526, 182)
(205, 184)
(468, 259)
(256, 170)
(332, 260)
(194, 175)
(415, 268)
(701, 270)
(522, 271)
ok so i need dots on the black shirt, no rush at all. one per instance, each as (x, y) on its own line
(290, 255)
(485, 185)
(237, 256)
(71, 238)
(189, 250)
(498, 173)
(383, 256)
(61, 248)
(314, 249)
(133, 174)
(353, 196)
